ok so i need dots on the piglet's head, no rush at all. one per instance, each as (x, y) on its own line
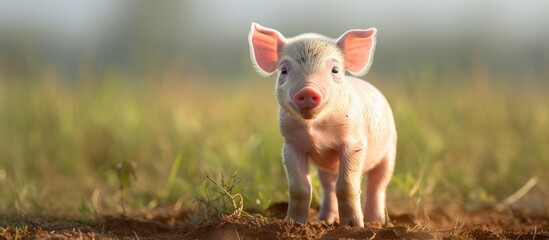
(311, 67)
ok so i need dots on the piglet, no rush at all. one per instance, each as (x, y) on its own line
(342, 124)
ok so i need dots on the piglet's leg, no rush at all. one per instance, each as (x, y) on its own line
(328, 208)
(378, 179)
(299, 181)
(348, 186)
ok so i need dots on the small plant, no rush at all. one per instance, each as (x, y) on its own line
(220, 198)
(20, 231)
(87, 211)
(125, 173)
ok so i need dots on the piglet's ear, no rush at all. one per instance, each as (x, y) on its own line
(358, 47)
(265, 44)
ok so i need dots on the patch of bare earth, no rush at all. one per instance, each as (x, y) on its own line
(436, 223)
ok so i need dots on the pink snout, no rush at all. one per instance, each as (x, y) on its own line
(307, 98)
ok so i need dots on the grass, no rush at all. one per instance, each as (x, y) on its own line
(467, 138)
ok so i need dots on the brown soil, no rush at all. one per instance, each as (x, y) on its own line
(437, 223)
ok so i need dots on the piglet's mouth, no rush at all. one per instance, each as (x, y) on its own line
(308, 113)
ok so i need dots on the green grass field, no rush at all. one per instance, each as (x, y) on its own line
(464, 138)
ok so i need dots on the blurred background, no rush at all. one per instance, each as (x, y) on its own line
(103, 102)
(210, 37)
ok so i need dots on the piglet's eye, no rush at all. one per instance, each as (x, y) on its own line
(284, 70)
(335, 70)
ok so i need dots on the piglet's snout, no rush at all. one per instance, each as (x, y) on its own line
(308, 98)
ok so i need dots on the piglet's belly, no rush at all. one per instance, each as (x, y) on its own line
(328, 160)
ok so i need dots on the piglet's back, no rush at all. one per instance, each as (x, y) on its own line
(376, 115)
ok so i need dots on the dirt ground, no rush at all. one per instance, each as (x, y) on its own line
(436, 223)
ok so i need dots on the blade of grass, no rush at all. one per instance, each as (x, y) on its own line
(173, 174)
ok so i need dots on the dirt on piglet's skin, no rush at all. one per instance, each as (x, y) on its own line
(436, 223)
